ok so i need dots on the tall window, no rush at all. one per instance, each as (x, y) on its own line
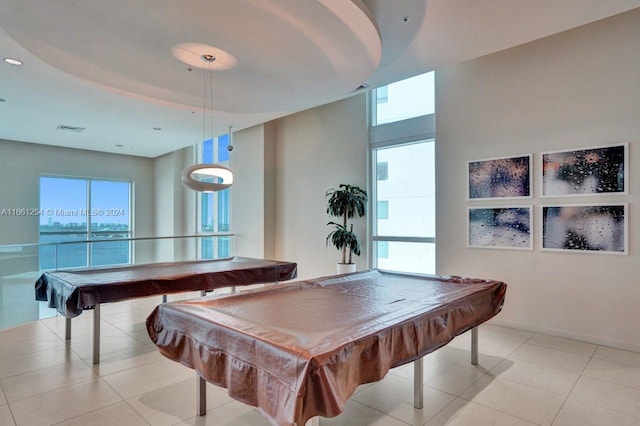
(77, 210)
(403, 175)
(214, 206)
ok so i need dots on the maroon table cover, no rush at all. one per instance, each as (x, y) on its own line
(72, 291)
(299, 350)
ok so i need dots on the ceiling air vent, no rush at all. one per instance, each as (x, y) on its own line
(70, 128)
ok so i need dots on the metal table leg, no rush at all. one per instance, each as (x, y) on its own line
(474, 346)
(201, 396)
(67, 329)
(96, 334)
(417, 383)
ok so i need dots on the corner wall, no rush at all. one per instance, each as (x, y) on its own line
(316, 150)
(576, 89)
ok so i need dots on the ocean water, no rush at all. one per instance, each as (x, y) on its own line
(80, 254)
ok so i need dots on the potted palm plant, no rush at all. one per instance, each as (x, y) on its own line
(345, 202)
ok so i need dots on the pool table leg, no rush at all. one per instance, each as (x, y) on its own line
(96, 334)
(474, 346)
(67, 329)
(417, 384)
(201, 396)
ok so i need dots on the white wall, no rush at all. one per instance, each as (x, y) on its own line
(22, 164)
(576, 89)
(316, 150)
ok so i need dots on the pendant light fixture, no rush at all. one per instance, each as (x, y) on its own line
(207, 177)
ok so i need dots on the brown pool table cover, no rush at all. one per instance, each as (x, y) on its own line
(299, 350)
(72, 291)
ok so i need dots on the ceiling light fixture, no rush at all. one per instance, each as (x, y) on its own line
(207, 177)
(13, 61)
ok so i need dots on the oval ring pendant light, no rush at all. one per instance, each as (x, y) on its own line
(222, 176)
(209, 170)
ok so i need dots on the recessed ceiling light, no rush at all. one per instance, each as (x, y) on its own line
(13, 61)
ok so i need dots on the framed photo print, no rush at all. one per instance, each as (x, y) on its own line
(600, 228)
(588, 171)
(508, 177)
(500, 227)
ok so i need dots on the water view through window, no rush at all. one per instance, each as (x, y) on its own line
(76, 210)
(214, 206)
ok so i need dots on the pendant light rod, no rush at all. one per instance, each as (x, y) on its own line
(224, 175)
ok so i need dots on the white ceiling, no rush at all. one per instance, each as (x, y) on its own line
(112, 67)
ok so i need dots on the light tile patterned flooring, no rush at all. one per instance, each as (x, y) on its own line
(523, 379)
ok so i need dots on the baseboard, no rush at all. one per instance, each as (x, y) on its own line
(567, 335)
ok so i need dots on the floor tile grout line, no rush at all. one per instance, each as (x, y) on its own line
(43, 368)
(382, 412)
(573, 387)
(93, 411)
(610, 383)
(499, 411)
(13, 417)
(82, 382)
(562, 350)
(210, 410)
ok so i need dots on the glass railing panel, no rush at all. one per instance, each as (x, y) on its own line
(110, 248)
(22, 264)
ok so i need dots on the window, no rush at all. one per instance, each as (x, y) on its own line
(77, 210)
(409, 234)
(404, 99)
(214, 207)
(402, 154)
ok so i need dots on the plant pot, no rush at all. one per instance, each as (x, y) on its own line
(345, 268)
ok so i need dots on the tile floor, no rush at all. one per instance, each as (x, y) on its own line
(523, 379)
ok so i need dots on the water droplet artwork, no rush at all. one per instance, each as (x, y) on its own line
(500, 227)
(508, 177)
(600, 170)
(598, 228)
